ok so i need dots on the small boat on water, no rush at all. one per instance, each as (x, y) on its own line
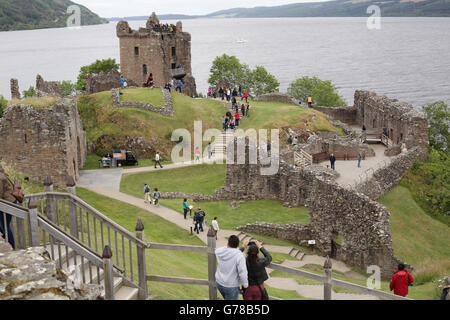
(241, 41)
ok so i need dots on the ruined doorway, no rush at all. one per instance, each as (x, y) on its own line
(333, 252)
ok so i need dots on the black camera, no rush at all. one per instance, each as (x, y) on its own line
(251, 243)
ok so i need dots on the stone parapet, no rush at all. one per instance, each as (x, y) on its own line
(166, 111)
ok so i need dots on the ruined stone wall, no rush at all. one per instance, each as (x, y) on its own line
(345, 114)
(402, 122)
(15, 92)
(386, 178)
(166, 111)
(103, 82)
(278, 97)
(47, 88)
(347, 145)
(145, 51)
(44, 141)
(357, 225)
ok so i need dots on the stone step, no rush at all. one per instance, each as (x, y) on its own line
(300, 255)
(126, 293)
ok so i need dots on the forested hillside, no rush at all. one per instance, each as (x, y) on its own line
(38, 14)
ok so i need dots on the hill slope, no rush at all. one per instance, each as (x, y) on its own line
(343, 8)
(39, 14)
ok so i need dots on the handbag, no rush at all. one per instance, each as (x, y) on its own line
(17, 191)
(264, 294)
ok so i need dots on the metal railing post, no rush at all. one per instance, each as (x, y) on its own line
(33, 223)
(212, 264)
(327, 280)
(142, 270)
(108, 272)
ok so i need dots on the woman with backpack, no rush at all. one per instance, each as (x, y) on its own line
(156, 196)
(256, 268)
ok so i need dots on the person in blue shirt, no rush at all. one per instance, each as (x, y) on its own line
(179, 85)
(185, 208)
(122, 81)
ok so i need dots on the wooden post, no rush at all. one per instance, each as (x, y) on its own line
(108, 273)
(73, 221)
(143, 288)
(327, 283)
(50, 201)
(212, 264)
(33, 224)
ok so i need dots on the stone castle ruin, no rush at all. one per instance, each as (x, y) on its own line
(44, 141)
(164, 51)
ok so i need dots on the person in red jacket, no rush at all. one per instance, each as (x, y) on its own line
(237, 117)
(245, 96)
(400, 281)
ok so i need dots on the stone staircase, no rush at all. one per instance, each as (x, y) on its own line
(219, 147)
(123, 289)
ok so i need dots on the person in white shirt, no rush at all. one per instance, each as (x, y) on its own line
(158, 160)
(215, 226)
(232, 269)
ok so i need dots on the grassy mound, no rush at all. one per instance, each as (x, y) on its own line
(39, 103)
(152, 96)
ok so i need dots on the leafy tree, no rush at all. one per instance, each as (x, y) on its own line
(67, 88)
(105, 65)
(263, 82)
(323, 93)
(257, 81)
(3, 105)
(29, 93)
(438, 115)
(226, 66)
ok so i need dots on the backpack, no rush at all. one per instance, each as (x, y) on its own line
(146, 189)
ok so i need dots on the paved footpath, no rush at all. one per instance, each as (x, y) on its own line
(307, 291)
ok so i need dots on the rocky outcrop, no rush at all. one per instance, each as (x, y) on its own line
(31, 275)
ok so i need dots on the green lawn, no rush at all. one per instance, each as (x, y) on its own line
(204, 179)
(418, 239)
(153, 96)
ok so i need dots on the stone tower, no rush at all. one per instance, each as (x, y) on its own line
(156, 50)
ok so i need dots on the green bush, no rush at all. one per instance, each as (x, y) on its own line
(429, 183)
(438, 116)
(29, 93)
(323, 93)
(67, 88)
(105, 65)
(3, 105)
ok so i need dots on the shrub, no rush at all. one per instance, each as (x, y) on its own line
(67, 88)
(3, 105)
(29, 93)
(323, 93)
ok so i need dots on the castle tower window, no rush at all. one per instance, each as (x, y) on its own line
(174, 65)
(174, 51)
(145, 69)
(136, 51)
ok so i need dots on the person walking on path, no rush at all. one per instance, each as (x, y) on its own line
(147, 197)
(400, 281)
(243, 110)
(232, 269)
(185, 208)
(237, 117)
(224, 122)
(446, 291)
(201, 218)
(215, 226)
(196, 222)
(158, 160)
(221, 93)
(359, 159)
(247, 112)
(156, 196)
(228, 95)
(332, 161)
(256, 268)
(245, 96)
(122, 81)
(197, 154)
(209, 151)
(309, 102)
(6, 193)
